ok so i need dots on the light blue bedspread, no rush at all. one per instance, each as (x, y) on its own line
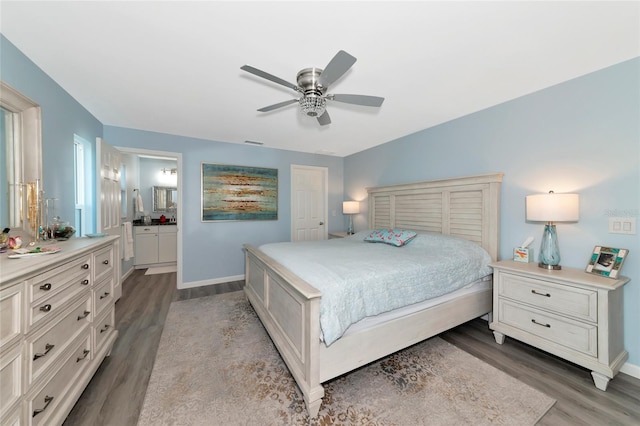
(360, 279)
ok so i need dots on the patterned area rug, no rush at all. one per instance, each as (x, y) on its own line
(217, 366)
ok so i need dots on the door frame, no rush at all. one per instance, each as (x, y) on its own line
(178, 157)
(325, 191)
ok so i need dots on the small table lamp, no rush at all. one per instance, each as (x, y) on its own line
(551, 208)
(350, 208)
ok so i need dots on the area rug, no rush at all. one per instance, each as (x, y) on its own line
(216, 365)
(161, 270)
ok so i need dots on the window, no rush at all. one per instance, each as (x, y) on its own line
(82, 166)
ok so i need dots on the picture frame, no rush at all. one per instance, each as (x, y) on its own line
(606, 261)
(236, 193)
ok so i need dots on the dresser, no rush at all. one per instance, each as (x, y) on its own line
(334, 235)
(57, 317)
(570, 313)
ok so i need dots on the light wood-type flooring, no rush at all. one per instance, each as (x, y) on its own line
(115, 394)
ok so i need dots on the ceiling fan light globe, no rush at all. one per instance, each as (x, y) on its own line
(312, 106)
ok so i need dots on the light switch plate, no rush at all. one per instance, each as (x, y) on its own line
(622, 225)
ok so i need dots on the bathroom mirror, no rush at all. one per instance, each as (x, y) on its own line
(165, 199)
(21, 157)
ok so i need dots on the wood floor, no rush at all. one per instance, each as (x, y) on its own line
(115, 395)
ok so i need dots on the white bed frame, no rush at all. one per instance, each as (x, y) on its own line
(289, 307)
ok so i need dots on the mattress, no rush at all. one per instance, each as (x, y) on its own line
(477, 286)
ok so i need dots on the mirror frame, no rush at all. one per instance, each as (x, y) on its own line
(27, 151)
(167, 190)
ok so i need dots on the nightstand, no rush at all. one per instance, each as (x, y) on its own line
(569, 313)
(333, 235)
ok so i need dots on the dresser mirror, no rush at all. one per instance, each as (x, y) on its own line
(165, 199)
(20, 156)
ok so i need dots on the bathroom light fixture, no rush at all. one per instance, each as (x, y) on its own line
(551, 208)
(350, 208)
(170, 171)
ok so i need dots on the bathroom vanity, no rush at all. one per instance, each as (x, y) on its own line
(155, 244)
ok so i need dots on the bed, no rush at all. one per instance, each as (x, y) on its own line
(289, 307)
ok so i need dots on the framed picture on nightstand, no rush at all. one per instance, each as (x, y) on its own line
(606, 261)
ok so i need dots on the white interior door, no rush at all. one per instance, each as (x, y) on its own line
(108, 199)
(308, 203)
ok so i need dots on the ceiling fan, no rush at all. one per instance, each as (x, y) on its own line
(313, 84)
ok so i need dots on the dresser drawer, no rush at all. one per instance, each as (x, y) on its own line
(103, 263)
(45, 346)
(563, 299)
(139, 230)
(43, 404)
(45, 309)
(572, 334)
(103, 329)
(103, 296)
(14, 418)
(10, 315)
(10, 379)
(56, 279)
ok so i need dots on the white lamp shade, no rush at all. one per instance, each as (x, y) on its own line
(350, 207)
(553, 207)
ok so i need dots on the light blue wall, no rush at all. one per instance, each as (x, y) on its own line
(580, 136)
(213, 250)
(62, 117)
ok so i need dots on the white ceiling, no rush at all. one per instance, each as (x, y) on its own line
(174, 66)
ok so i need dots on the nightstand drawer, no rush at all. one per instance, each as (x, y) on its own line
(563, 331)
(565, 300)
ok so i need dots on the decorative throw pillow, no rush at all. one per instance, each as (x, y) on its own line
(394, 237)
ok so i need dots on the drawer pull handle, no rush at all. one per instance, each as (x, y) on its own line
(106, 262)
(47, 348)
(45, 308)
(84, 355)
(47, 401)
(45, 287)
(541, 324)
(104, 295)
(541, 294)
(84, 315)
(106, 327)
(84, 282)
(85, 266)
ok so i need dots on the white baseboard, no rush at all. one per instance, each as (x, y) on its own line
(202, 283)
(126, 274)
(631, 369)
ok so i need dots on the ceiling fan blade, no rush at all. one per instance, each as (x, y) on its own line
(336, 68)
(365, 100)
(324, 119)
(270, 77)
(278, 105)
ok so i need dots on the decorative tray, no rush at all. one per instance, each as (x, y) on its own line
(37, 251)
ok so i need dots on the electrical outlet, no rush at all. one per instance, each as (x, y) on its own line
(622, 225)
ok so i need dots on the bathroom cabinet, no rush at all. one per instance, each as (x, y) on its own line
(155, 244)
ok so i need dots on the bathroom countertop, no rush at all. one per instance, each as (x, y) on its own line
(154, 222)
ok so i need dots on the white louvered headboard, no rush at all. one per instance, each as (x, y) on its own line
(466, 207)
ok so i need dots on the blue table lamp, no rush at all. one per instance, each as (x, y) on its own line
(551, 208)
(350, 208)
